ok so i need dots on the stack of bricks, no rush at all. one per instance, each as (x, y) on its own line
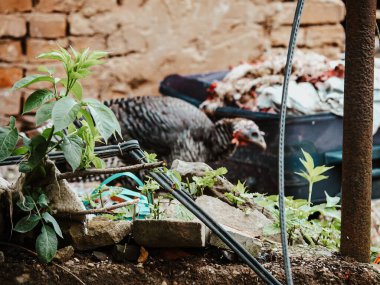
(149, 39)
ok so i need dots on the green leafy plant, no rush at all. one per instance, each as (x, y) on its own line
(37, 207)
(239, 194)
(316, 225)
(149, 189)
(77, 124)
(311, 173)
(208, 180)
(62, 104)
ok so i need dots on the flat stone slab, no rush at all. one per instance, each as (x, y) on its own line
(169, 233)
(251, 244)
(251, 224)
(98, 233)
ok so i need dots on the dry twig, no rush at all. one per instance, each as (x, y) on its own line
(88, 172)
(100, 210)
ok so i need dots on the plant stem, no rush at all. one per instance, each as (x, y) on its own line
(310, 192)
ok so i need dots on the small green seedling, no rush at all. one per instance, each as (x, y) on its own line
(312, 174)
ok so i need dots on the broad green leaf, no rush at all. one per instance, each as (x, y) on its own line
(89, 121)
(319, 178)
(27, 204)
(105, 119)
(98, 163)
(36, 99)
(20, 150)
(321, 169)
(46, 69)
(72, 150)
(44, 113)
(64, 112)
(331, 201)
(26, 81)
(38, 148)
(27, 223)
(303, 174)
(221, 171)
(8, 140)
(43, 201)
(53, 55)
(46, 244)
(74, 51)
(50, 219)
(98, 54)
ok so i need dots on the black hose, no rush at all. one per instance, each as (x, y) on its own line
(167, 184)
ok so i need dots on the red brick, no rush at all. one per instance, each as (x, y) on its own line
(315, 12)
(9, 6)
(48, 26)
(11, 25)
(280, 36)
(94, 42)
(10, 50)
(34, 47)
(79, 25)
(59, 5)
(9, 75)
(318, 36)
(10, 104)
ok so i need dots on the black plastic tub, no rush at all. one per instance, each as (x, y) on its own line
(320, 135)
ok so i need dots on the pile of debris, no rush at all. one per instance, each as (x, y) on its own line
(316, 86)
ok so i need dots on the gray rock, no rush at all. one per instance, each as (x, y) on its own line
(64, 254)
(126, 252)
(98, 233)
(251, 224)
(189, 169)
(169, 233)
(251, 244)
(101, 256)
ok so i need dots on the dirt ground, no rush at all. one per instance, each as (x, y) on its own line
(208, 266)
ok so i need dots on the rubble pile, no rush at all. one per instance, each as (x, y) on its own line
(316, 86)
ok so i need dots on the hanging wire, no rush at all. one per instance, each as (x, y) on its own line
(281, 178)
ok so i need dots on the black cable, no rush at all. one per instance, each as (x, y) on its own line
(167, 184)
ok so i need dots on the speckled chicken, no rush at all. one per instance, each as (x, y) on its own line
(173, 128)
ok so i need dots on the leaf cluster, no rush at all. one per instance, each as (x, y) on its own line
(77, 123)
(37, 207)
(208, 180)
(316, 225)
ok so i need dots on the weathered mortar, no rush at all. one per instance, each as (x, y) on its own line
(149, 39)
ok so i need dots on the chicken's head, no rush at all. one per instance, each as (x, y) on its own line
(246, 132)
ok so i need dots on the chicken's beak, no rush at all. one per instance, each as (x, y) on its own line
(255, 137)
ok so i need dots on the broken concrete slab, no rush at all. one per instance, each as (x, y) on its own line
(98, 233)
(169, 233)
(251, 244)
(251, 224)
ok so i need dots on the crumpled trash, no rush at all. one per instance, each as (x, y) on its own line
(316, 86)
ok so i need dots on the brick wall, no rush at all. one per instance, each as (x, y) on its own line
(149, 39)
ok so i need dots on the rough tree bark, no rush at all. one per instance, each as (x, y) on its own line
(357, 129)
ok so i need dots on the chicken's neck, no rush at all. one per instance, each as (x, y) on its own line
(220, 140)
